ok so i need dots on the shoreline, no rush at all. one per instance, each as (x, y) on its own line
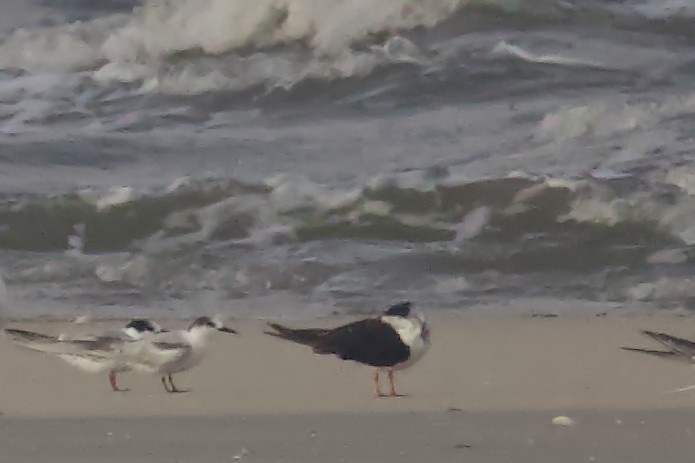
(485, 437)
(541, 307)
(487, 392)
(475, 365)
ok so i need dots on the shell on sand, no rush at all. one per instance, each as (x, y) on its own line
(563, 421)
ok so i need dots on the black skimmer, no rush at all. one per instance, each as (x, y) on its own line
(390, 342)
(93, 354)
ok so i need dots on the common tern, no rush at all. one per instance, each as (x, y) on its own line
(93, 354)
(172, 352)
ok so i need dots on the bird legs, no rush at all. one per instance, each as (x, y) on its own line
(392, 386)
(173, 388)
(376, 383)
(112, 381)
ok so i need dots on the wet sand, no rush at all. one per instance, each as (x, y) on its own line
(487, 391)
(478, 437)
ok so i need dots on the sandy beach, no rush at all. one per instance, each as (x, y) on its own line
(487, 391)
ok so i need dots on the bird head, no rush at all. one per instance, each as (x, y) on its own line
(139, 327)
(402, 309)
(207, 323)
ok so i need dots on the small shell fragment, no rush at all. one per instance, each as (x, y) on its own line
(563, 421)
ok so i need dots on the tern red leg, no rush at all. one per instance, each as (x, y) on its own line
(392, 385)
(376, 383)
(112, 381)
(164, 382)
(173, 386)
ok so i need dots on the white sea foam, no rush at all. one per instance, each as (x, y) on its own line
(666, 8)
(606, 118)
(507, 49)
(133, 272)
(144, 45)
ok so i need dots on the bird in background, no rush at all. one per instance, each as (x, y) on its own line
(393, 341)
(676, 348)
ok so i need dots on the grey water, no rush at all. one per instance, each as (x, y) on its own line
(304, 157)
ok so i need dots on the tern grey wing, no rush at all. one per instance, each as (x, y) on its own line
(150, 353)
(91, 348)
(672, 343)
(55, 345)
(117, 333)
(665, 354)
(171, 345)
(33, 341)
(170, 337)
(103, 343)
(17, 335)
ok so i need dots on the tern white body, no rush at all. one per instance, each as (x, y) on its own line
(168, 353)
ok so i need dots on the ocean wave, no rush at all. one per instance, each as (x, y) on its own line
(187, 47)
(180, 30)
(416, 207)
(193, 60)
(613, 116)
(604, 236)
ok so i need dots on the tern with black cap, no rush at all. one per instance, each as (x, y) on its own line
(172, 352)
(92, 354)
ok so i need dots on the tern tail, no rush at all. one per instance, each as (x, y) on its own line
(54, 345)
(31, 340)
(24, 336)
